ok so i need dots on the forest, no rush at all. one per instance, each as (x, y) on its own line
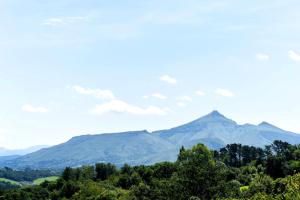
(233, 172)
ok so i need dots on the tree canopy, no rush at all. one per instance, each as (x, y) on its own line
(233, 172)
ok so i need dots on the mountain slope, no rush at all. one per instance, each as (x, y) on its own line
(14, 152)
(142, 147)
(218, 130)
(118, 148)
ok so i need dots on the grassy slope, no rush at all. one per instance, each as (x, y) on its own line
(10, 181)
(41, 180)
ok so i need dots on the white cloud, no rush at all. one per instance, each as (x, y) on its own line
(159, 96)
(118, 31)
(168, 79)
(182, 101)
(224, 92)
(98, 93)
(185, 98)
(118, 106)
(165, 18)
(33, 109)
(62, 21)
(239, 27)
(200, 93)
(155, 95)
(181, 104)
(294, 56)
(262, 57)
(191, 12)
(53, 22)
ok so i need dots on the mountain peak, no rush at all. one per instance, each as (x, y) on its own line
(214, 116)
(265, 124)
(268, 126)
(215, 113)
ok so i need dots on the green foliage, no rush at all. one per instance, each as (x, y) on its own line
(41, 180)
(235, 172)
(195, 170)
(261, 184)
(7, 185)
(25, 175)
(104, 171)
(12, 182)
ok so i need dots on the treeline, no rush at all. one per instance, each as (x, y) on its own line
(26, 175)
(233, 172)
(7, 186)
(279, 159)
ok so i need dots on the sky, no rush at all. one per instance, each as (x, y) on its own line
(72, 67)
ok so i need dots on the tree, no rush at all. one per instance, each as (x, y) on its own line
(277, 167)
(126, 169)
(261, 184)
(181, 151)
(282, 149)
(87, 172)
(67, 173)
(103, 171)
(69, 189)
(164, 170)
(195, 172)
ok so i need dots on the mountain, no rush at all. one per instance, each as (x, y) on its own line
(215, 130)
(10, 152)
(8, 158)
(118, 148)
(143, 147)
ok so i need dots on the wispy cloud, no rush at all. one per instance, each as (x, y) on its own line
(118, 31)
(168, 79)
(155, 95)
(224, 92)
(62, 21)
(239, 27)
(294, 56)
(181, 104)
(191, 12)
(185, 98)
(167, 18)
(97, 93)
(200, 93)
(118, 106)
(34, 109)
(262, 57)
(159, 96)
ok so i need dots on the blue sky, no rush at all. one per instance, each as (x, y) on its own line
(70, 67)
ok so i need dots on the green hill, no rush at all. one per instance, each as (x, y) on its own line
(10, 181)
(41, 180)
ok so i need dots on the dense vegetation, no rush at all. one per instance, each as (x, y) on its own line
(10, 178)
(24, 175)
(233, 172)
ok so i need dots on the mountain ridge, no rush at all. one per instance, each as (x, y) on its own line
(143, 147)
(20, 152)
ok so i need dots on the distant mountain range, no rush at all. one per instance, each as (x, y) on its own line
(143, 147)
(20, 152)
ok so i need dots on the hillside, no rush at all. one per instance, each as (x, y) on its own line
(9, 152)
(142, 147)
(119, 148)
(215, 130)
